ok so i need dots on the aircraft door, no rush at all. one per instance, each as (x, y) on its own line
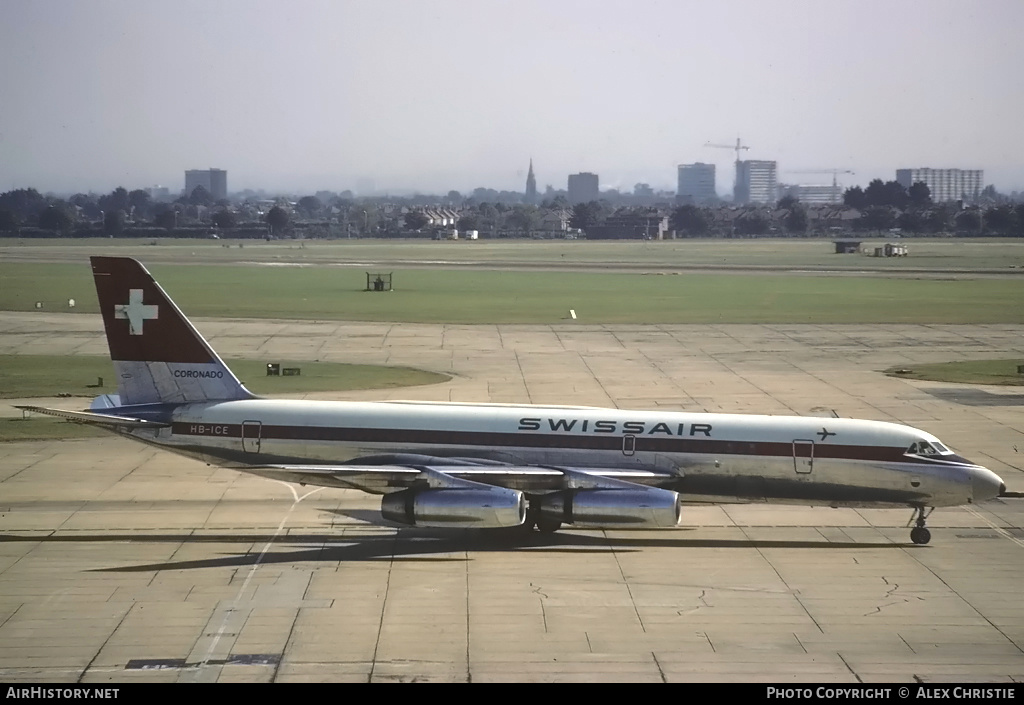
(628, 445)
(251, 436)
(803, 456)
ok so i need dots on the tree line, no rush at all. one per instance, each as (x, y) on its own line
(882, 206)
(888, 205)
(113, 213)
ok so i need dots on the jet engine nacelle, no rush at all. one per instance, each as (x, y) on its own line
(455, 508)
(648, 507)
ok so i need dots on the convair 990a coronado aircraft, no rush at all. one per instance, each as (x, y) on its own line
(501, 465)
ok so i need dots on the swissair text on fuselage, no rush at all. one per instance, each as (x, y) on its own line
(634, 428)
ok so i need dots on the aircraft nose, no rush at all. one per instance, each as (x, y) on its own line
(985, 484)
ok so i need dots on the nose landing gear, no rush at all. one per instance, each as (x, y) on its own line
(920, 534)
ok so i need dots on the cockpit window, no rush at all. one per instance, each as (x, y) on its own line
(926, 448)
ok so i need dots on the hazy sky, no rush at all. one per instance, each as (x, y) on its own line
(439, 94)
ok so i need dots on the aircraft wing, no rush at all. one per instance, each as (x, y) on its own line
(381, 479)
(88, 417)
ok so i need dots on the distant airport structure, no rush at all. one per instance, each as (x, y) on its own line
(215, 181)
(696, 184)
(630, 226)
(812, 195)
(531, 187)
(159, 193)
(945, 184)
(756, 182)
(583, 188)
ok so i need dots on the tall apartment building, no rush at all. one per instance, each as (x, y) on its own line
(945, 184)
(756, 182)
(582, 188)
(213, 180)
(696, 183)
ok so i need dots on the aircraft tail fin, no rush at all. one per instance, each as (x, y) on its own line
(158, 354)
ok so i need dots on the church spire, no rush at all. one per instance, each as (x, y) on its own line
(531, 186)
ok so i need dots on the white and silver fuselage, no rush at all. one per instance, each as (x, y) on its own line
(704, 457)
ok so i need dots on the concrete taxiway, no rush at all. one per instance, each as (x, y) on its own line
(120, 562)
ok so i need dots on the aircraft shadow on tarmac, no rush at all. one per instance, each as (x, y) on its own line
(414, 544)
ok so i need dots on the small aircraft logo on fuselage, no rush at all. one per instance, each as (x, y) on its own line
(824, 433)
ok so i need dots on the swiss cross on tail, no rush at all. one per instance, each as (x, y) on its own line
(141, 321)
(135, 311)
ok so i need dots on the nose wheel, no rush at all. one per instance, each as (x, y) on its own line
(920, 534)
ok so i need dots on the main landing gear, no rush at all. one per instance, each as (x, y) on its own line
(920, 534)
(543, 524)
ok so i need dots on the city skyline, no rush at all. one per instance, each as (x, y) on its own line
(329, 95)
(817, 190)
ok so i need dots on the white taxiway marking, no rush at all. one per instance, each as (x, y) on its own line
(230, 612)
(999, 529)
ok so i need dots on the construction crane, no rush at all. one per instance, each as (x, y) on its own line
(738, 146)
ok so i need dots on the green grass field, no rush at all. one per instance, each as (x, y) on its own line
(44, 428)
(472, 296)
(1001, 372)
(24, 376)
(975, 255)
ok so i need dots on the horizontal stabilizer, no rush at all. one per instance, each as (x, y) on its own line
(89, 417)
(105, 401)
